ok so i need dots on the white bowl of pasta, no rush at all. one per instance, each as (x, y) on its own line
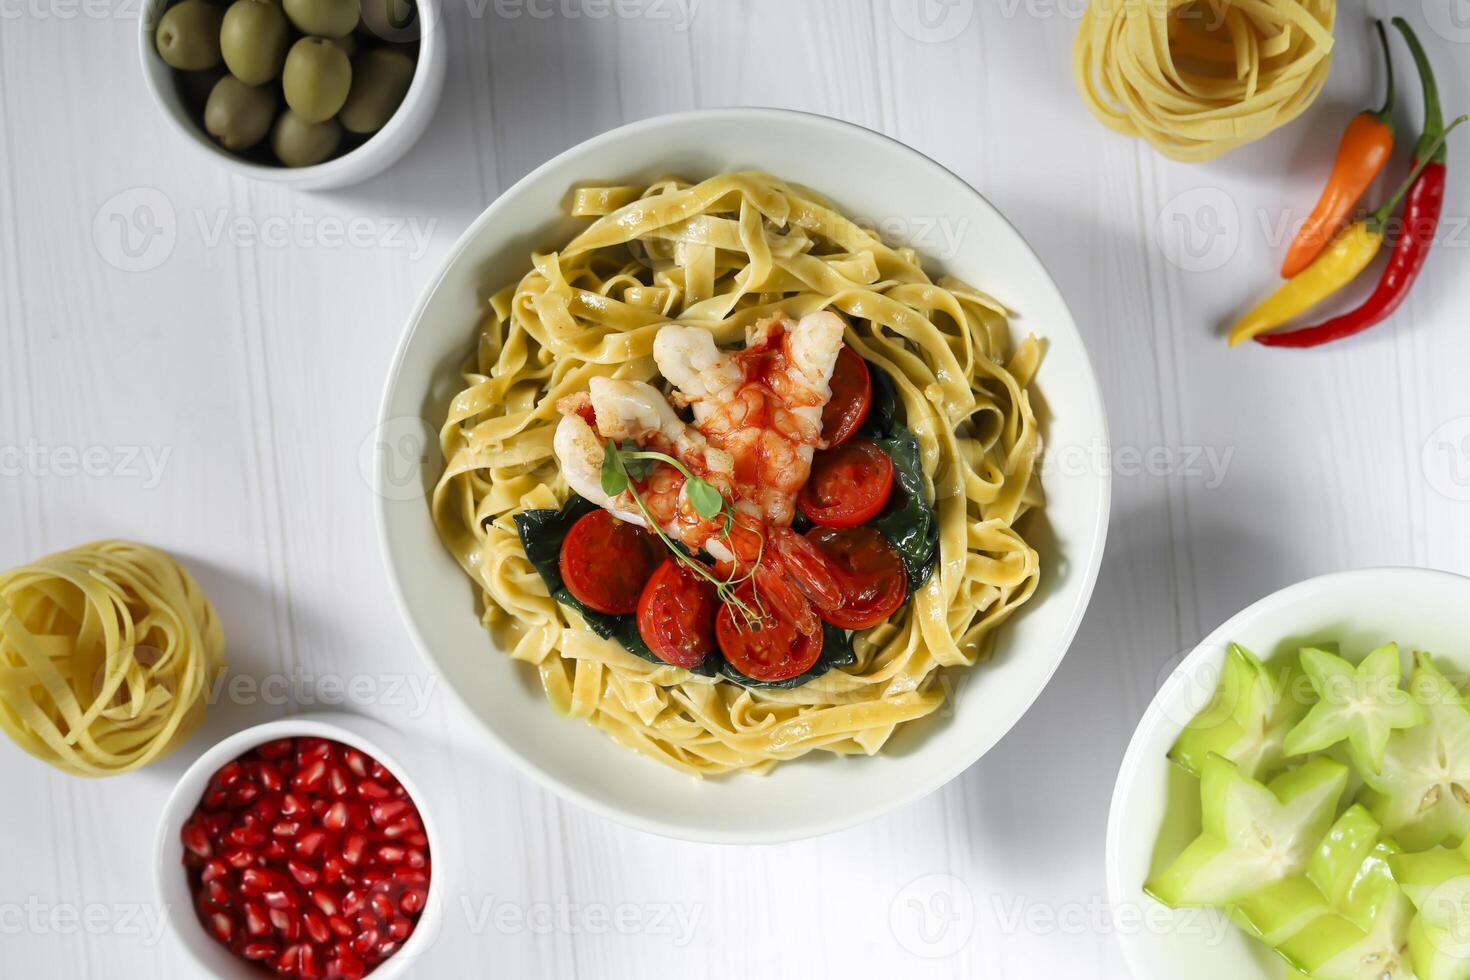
(643, 288)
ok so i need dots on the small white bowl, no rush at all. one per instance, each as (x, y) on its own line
(382, 149)
(872, 178)
(1420, 609)
(368, 736)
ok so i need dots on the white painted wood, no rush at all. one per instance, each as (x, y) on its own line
(257, 366)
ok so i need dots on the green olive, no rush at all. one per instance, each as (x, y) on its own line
(317, 78)
(380, 80)
(254, 39)
(325, 18)
(299, 143)
(188, 35)
(239, 115)
(391, 20)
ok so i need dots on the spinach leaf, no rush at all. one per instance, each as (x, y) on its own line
(542, 532)
(907, 521)
(836, 652)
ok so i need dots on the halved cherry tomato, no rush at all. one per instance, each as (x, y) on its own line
(676, 615)
(871, 571)
(785, 642)
(605, 562)
(852, 396)
(848, 485)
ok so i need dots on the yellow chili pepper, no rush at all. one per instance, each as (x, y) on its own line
(1348, 254)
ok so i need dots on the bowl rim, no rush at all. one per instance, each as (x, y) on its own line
(335, 726)
(1087, 571)
(1154, 717)
(357, 163)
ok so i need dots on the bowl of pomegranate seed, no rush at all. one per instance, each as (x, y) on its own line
(300, 848)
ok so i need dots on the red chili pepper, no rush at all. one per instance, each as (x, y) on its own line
(1366, 147)
(1420, 222)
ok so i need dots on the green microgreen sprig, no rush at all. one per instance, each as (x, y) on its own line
(626, 465)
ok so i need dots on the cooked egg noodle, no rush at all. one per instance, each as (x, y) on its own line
(721, 254)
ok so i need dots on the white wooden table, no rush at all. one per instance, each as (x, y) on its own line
(195, 360)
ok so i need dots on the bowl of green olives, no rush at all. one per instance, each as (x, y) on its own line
(312, 93)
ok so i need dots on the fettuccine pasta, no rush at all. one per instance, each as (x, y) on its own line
(721, 254)
(1197, 78)
(106, 651)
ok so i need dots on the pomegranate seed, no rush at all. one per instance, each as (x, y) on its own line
(318, 807)
(349, 967)
(304, 873)
(366, 942)
(399, 929)
(217, 894)
(197, 840)
(310, 843)
(278, 749)
(416, 858)
(258, 881)
(239, 858)
(259, 951)
(354, 847)
(416, 839)
(332, 869)
(213, 869)
(244, 794)
(267, 808)
(222, 926)
(337, 780)
(391, 854)
(329, 900)
(374, 876)
(388, 810)
(285, 923)
(357, 762)
(382, 905)
(316, 926)
(291, 805)
(340, 926)
(246, 836)
(386, 948)
(282, 898)
(368, 789)
(403, 827)
(336, 817)
(288, 964)
(229, 774)
(309, 749)
(269, 777)
(403, 876)
(256, 921)
(286, 828)
(412, 902)
(309, 779)
(353, 901)
(274, 850)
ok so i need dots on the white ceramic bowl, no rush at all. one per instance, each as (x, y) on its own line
(372, 157)
(1417, 608)
(876, 179)
(377, 740)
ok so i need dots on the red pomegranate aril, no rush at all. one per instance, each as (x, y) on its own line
(259, 951)
(388, 811)
(257, 921)
(307, 857)
(196, 839)
(347, 966)
(412, 901)
(222, 926)
(246, 835)
(309, 779)
(371, 790)
(316, 926)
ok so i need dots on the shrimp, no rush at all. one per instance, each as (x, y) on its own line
(763, 405)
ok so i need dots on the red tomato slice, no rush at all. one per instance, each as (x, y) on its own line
(852, 396)
(849, 484)
(785, 642)
(605, 562)
(676, 615)
(871, 571)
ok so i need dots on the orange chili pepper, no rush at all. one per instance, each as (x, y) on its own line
(1365, 148)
